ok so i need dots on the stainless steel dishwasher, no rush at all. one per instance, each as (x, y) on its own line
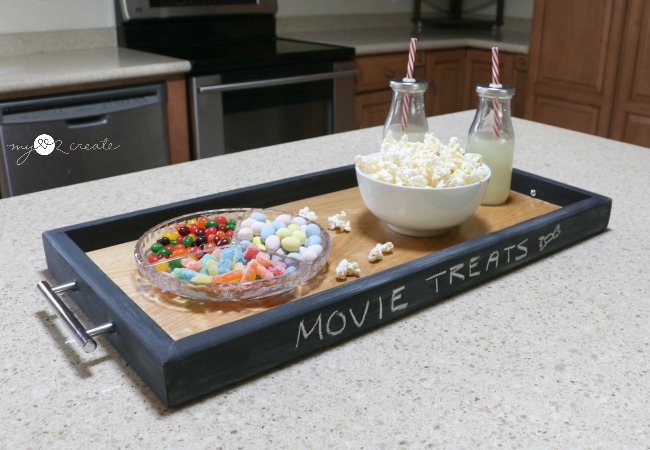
(54, 141)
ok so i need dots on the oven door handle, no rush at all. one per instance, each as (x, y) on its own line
(276, 81)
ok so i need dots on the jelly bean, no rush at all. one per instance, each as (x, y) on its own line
(173, 242)
(313, 240)
(192, 222)
(162, 266)
(201, 240)
(188, 241)
(312, 230)
(260, 217)
(202, 221)
(183, 230)
(231, 224)
(179, 252)
(277, 224)
(156, 247)
(211, 223)
(272, 243)
(153, 258)
(164, 241)
(290, 244)
(165, 251)
(175, 264)
(169, 235)
(245, 234)
(199, 232)
(221, 220)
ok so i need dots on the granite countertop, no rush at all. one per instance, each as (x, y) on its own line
(32, 71)
(555, 354)
(370, 41)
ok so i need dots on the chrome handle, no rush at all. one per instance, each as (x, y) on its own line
(81, 335)
(276, 81)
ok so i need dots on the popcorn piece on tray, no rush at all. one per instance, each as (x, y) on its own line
(307, 213)
(377, 253)
(347, 268)
(339, 221)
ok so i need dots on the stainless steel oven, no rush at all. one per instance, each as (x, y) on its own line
(247, 88)
(228, 117)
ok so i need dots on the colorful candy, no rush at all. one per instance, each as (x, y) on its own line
(202, 250)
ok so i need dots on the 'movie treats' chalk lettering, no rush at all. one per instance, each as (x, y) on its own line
(337, 321)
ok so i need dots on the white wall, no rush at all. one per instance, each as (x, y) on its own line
(290, 8)
(22, 16)
(28, 16)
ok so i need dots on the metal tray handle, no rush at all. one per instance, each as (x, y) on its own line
(81, 335)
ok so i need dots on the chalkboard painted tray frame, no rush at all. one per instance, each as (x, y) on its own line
(179, 371)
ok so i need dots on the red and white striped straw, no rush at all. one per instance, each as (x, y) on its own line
(495, 83)
(409, 77)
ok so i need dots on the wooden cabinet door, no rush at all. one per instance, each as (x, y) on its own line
(479, 71)
(371, 108)
(445, 71)
(573, 63)
(631, 119)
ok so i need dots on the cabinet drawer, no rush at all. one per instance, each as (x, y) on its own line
(375, 71)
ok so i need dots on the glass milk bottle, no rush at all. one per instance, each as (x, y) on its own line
(407, 116)
(492, 136)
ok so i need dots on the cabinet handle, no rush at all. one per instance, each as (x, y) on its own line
(390, 74)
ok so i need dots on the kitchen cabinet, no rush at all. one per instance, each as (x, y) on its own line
(590, 62)
(373, 94)
(445, 71)
(513, 70)
(631, 116)
(452, 75)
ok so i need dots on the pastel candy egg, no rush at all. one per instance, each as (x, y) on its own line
(293, 226)
(245, 234)
(297, 257)
(290, 269)
(284, 218)
(245, 243)
(247, 223)
(299, 220)
(260, 217)
(267, 231)
(313, 240)
(277, 224)
(316, 248)
(257, 227)
(272, 243)
(300, 235)
(283, 233)
(312, 230)
(309, 255)
(257, 241)
(290, 244)
(278, 257)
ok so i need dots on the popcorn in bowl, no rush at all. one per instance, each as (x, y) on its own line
(423, 164)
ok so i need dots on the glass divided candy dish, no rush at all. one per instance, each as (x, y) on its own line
(209, 286)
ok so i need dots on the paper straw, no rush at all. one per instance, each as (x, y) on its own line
(409, 78)
(496, 128)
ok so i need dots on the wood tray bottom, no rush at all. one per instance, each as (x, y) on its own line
(181, 317)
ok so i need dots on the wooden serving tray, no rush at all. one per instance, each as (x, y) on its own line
(186, 348)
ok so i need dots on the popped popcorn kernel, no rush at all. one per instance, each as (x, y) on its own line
(347, 268)
(423, 164)
(339, 221)
(377, 253)
(308, 214)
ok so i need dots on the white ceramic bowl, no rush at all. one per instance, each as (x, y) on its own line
(416, 211)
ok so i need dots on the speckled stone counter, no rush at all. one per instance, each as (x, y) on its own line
(370, 41)
(33, 71)
(553, 355)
